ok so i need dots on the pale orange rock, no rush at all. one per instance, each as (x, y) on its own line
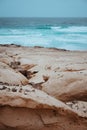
(10, 76)
(42, 89)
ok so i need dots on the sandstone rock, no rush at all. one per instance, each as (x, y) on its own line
(10, 76)
(61, 76)
(36, 110)
(67, 87)
(79, 106)
(38, 119)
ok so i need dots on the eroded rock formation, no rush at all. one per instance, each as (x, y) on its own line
(42, 89)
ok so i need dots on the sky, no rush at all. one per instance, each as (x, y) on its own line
(43, 8)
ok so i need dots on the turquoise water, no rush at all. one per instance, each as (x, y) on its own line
(64, 33)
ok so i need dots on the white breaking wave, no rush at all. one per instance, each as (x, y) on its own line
(72, 29)
(24, 40)
(31, 32)
(72, 37)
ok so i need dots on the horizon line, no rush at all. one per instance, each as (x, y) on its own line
(38, 17)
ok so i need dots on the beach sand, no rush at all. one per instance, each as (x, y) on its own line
(42, 88)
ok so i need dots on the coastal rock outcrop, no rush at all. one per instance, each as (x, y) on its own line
(10, 76)
(24, 108)
(42, 88)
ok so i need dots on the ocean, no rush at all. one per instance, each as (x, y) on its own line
(63, 33)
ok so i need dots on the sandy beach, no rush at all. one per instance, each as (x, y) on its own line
(42, 88)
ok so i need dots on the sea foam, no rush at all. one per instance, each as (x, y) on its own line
(65, 36)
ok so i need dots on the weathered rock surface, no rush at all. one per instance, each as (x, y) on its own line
(10, 76)
(42, 89)
(29, 108)
(68, 88)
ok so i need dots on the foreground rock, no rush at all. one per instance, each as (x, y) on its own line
(25, 108)
(42, 89)
(10, 76)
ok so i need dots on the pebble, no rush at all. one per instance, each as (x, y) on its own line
(14, 90)
(3, 88)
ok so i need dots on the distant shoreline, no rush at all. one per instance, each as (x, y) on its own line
(38, 47)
